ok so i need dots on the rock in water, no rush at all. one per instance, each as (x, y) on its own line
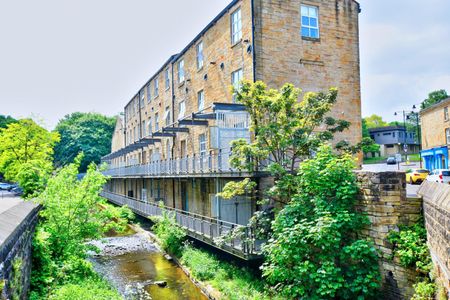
(161, 283)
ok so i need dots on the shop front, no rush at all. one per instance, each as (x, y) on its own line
(435, 158)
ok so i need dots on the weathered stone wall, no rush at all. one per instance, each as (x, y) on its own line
(436, 206)
(17, 226)
(434, 123)
(383, 198)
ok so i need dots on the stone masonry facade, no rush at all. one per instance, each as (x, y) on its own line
(436, 205)
(16, 234)
(383, 198)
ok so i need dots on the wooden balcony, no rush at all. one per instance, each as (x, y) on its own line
(199, 227)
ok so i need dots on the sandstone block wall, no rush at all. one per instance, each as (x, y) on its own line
(17, 226)
(436, 205)
(383, 198)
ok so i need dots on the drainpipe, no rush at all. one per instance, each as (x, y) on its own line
(173, 138)
(253, 40)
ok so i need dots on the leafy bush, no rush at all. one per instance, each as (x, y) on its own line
(169, 233)
(91, 289)
(424, 290)
(203, 265)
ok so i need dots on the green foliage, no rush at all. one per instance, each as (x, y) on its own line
(89, 289)
(368, 145)
(6, 120)
(72, 214)
(375, 121)
(424, 290)
(365, 129)
(433, 98)
(90, 133)
(202, 264)
(169, 233)
(26, 154)
(314, 252)
(410, 247)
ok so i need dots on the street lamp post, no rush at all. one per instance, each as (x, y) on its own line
(406, 115)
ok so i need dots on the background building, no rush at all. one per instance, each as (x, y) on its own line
(436, 135)
(393, 138)
(178, 126)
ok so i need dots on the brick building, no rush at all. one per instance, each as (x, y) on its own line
(436, 135)
(178, 126)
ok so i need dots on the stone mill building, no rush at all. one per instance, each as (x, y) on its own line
(172, 144)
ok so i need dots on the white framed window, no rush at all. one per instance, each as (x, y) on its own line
(446, 113)
(149, 92)
(202, 144)
(181, 109)
(149, 126)
(144, 134)
(201, 100)
(167, 116)
(200, 55)
(136, 105)
(181, 71)
(156, 83)
(236, 26)
(156, 122)
(142, 97)
(447, 135)
(310, 21)
(236, 78)
(167, 78)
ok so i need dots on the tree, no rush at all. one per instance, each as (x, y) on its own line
(314, 251)
(368, 145)
(90, 133)
(433, 98)
(375, 121)
(365, 130)
(5, 120)
(26, 154)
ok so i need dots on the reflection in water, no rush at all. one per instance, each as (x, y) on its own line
(137, 270)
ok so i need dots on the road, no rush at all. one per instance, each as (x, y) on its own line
(8, 200)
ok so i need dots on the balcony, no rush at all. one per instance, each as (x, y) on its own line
(199, 227)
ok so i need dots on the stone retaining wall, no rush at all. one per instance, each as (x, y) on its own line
(383, 198)
(17, 226)
(436, 205)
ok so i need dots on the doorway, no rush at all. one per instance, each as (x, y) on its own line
(184, 196)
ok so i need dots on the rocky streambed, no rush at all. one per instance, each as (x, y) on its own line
(138, 269)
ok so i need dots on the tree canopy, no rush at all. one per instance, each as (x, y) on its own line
(26, 154)
(5, 120)
(375, 121)
(90, 133)
(433, 98)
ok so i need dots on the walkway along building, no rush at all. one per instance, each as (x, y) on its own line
(173, 143)
(436, 135)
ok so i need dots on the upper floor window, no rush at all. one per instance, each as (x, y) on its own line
(202, 144)
(201, 100)
(156, 87)
(181, 71)
(310, 21)
(149, 92)
(236, 26)
(200, 55)
(181, 109)
(167, 78)
(167, 116)
(142, 97)
(149, 126)
(156, 122)
(236, 78)
(447, 135)
(446, 113)
(144, 134)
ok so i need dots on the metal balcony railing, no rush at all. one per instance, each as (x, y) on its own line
(197, 226)
(217, 162)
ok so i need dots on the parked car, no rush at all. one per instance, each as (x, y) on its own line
(17, 191)
(439, 175)
(391, 160)
(5, 186)
(416, 175)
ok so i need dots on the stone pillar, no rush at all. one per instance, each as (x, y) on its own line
(383, 197)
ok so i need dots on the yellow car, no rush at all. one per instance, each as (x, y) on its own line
(416, 175)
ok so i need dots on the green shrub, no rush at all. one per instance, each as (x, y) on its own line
(170, 234)
(424, 290)
(92, 289)
(203, 265)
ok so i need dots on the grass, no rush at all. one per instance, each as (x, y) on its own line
(88, 289)
(374, 160)
(414, 157)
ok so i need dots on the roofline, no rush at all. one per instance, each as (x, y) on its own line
(430, 108)
(387, 128)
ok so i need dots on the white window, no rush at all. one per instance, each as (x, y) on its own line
(202, 144)
(138, 132)
(200, 55)
(143, 129)
(156, 87)
(236, 26)
(149, 126)
(142, 97)
(182, 109)
(201, 100)
(310, 21)
(167, 78)
(149, 92)
(156, 122)
(447, 135)
(167, 116)
(181, 71)
(236, 78)
(446, 113)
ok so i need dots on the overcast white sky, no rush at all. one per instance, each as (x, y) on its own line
(62, 56)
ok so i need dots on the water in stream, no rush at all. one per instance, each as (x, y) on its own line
(132, 264)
